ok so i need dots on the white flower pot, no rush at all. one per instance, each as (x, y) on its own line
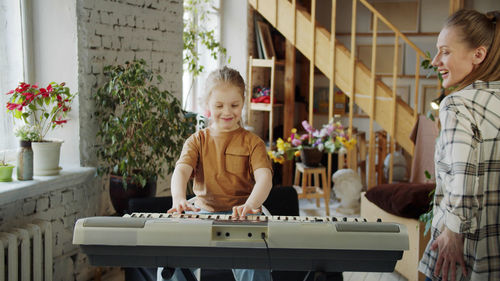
(46, 157)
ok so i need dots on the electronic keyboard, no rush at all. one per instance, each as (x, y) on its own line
(295, 243)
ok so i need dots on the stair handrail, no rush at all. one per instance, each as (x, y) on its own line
(419, 53)
(272, 15)
(392, 27)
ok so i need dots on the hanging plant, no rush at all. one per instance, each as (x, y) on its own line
(196, 34)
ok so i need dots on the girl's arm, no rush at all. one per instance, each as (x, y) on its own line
(180, 178)
(261, 189)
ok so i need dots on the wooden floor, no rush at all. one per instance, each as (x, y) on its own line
(308, 208)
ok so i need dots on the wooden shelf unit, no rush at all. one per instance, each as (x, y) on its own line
(268, 107)
(264, 106)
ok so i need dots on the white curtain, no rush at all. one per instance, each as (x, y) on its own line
(11, 67)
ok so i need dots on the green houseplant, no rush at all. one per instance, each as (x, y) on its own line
(196, 34)
(41, 110)
(141, 131)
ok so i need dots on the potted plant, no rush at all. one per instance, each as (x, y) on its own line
(311, 145)
(42, 109)
(141, 131)
(5, 171)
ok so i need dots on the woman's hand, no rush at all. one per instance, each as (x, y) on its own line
(450, 246)
(242, 210)
(182, 205)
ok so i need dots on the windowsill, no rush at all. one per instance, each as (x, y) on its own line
(69, 176)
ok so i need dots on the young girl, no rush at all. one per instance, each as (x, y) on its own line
(231, 168)
(465, 241)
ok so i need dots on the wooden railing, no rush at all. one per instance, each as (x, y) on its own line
(325, 52)
(376, 17)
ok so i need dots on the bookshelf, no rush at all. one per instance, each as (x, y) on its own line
(270, 107)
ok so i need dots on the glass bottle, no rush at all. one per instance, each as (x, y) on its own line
(25, 161)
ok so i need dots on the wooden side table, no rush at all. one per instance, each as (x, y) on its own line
(307, 190)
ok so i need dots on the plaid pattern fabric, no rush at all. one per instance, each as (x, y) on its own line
(467, 198)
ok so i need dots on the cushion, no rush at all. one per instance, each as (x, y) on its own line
(408, 200)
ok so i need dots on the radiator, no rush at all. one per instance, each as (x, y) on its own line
(26, 253)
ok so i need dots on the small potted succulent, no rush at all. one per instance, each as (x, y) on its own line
(42, 110)
(5, 170)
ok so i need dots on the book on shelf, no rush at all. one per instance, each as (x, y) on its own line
(260, 52)
(265, 41)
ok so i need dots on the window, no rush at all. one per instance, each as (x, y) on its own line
(11, 67)
(192, 89)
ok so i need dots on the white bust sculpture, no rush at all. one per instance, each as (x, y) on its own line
(347, 187)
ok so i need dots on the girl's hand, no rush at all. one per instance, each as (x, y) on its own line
(180, 206)
(450, 246)
(242, 210)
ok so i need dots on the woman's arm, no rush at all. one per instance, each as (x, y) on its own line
(261, 189)
(180, 178)
(456, 167)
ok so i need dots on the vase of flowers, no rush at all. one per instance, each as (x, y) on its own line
(41, 110)
(311, 156)
(311, 144)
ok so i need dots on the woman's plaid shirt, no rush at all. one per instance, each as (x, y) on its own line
(467, 198)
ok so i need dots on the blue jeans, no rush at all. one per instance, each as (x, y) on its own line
(239, 274)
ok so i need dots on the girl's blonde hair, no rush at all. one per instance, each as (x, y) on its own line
(477, 29)
(224, 75)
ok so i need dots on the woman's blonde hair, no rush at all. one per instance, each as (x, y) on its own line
(477, 29)
(223, 75)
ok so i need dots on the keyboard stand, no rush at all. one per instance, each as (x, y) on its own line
(318, 276)
(168, 272)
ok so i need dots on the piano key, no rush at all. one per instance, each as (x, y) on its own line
(224, 217)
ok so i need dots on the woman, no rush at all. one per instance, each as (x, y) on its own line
(465, 243)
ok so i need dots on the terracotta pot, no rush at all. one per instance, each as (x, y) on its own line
(311, 156)
(120, 196)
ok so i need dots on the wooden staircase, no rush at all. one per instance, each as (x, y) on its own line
(377, 99)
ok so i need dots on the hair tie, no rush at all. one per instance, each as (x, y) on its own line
(494, 16)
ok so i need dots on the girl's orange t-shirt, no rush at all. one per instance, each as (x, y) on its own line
(223, 165)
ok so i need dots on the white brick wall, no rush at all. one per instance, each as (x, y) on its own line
(114, 31)
(61, 206)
